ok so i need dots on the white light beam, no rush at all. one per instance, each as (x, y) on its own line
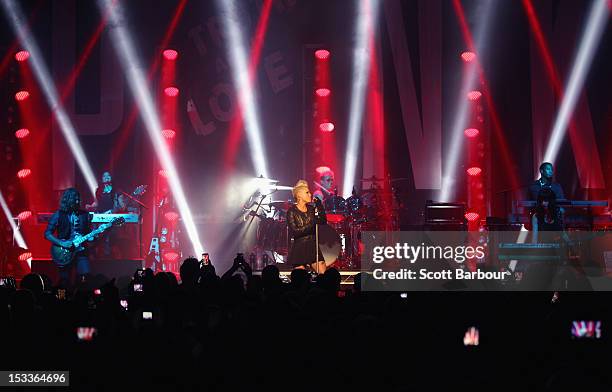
(138, 85)
(45, 80)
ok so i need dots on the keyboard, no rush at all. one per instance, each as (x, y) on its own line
(44, 217)
(105, 218)
(529, 252)
(513, 245)
(566, 203)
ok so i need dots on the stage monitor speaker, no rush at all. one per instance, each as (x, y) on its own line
(109, 268)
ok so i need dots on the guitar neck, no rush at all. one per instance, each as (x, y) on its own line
(90, 235)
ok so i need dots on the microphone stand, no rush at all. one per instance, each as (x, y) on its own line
(134, 199)
(317, 239)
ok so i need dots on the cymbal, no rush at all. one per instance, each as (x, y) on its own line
(372, 179)
(268, 180)
(280, 205)
(376, 179)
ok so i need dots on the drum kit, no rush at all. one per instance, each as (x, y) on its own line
(374, 209)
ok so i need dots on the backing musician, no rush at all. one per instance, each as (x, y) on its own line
(65, 224)
(545, 182)
(547, 227)
(108, 200)
(325, 186)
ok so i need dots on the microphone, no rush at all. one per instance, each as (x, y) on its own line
(317, 201)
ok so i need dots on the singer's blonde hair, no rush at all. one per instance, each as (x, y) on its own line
(301, 184)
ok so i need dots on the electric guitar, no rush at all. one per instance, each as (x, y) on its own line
(62, 256)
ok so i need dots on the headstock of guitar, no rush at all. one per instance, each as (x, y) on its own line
(140, 190)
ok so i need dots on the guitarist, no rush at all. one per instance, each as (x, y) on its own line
(67, 222)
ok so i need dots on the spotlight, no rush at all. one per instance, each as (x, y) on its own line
(326, 127)
(15, 229)
(171, 216)
(472, 216)
(474, 95)
(168, 133)
(468, 56)
(22, 55)
(322, 54)
(485, 16)
(124, 47)
(234, 29)
(22, 95)
(323, 92)
(471, 132)
(171, 91)
(595, 28)
(170, 54)
(48, 88)
(25, 256)
(23, 173)
(367, 11)
(24, 215)
(22, 133)
(474, 171)
(163, 173)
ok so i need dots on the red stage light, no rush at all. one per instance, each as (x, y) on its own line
(471, 132)
(170, 54)
(171, 91)
(23, 173)
(474, 171)
(326, 127)
(22, 95)
(468, 56)
(172, 216)
(22, 133)
(171, 256)
(163, 173)
(24, 215)
(472, 216)
(474, 95)
(25, 256)
(168, 133)
(323, 92)
(322, 54)
(22, 55)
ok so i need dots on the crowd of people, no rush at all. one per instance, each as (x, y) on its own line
(243, 330)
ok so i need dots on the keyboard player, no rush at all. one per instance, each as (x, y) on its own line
(107, 199)
(545, 182)
(546, 218)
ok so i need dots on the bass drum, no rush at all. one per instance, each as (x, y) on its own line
(329, 243)
(272, 235)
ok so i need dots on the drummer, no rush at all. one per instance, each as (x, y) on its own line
(325, 186)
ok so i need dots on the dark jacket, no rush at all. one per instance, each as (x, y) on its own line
(303, 224)
(59, 225)
(302, 229)
(536, 187)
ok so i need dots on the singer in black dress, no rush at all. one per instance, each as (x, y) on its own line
(302, 220)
